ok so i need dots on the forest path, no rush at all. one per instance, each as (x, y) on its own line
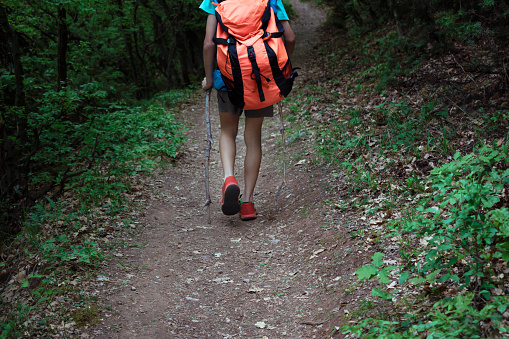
(273, 277)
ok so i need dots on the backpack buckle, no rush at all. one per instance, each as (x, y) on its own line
(251, 55)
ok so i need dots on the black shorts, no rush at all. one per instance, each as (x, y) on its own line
(224, 105)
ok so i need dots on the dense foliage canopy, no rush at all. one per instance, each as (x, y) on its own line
(65, 65)
(424, 16)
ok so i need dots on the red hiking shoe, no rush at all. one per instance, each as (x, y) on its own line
(230, 204)
(247, 211)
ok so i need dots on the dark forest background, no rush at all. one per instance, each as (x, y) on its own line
(66, 67)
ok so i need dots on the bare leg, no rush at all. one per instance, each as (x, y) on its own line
(227, 145)
(253, 140)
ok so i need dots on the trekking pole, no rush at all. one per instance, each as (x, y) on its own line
(207, 154)
(282, 131)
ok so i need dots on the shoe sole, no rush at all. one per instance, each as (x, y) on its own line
(248, 218)
(231, 204)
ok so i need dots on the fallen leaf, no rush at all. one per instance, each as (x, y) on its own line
(315, 253)
(260, 324)
(20, 276)
(254, 289)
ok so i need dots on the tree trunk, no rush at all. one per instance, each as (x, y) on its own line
(15, 56)
(171, 17)
(185, 58)
(395, 14)
(9, 174)
(3, 157)
(169, 64)
(195, 43)
(350, 8)
(140, 42)
(63, 33)
(129, 49)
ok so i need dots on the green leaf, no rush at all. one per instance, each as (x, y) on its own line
(504, 246)
(417, 281)
(452, 261)
(377, 259)
(383, 274)
(444, 247)
(403, 277)
(378, 292)
(431, 210)
(444, 278)
(431, 254)
(467, 281)
(431, 277)
(489, 201)
(500, 218)
(41, 300)
(25, 283)
(448, 180)
(496, 317)
(462, 302)
(366, 272)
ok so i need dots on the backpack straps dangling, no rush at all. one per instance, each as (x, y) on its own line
(256, 72)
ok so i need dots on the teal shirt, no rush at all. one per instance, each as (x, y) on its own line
(208, 7)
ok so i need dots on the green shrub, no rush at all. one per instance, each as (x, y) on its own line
(461, 240)
(93, 163)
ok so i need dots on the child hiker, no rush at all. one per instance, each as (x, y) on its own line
(229, 115)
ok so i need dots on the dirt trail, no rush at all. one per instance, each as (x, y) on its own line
(273, 277)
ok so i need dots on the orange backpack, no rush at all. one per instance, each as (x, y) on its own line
(251, 54)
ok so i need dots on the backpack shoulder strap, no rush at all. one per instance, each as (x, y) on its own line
(273, 4)
(266, 17)
(280, 28)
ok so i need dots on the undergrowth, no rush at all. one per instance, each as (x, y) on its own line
(390, 130)
(66, 236)
(459, 241)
